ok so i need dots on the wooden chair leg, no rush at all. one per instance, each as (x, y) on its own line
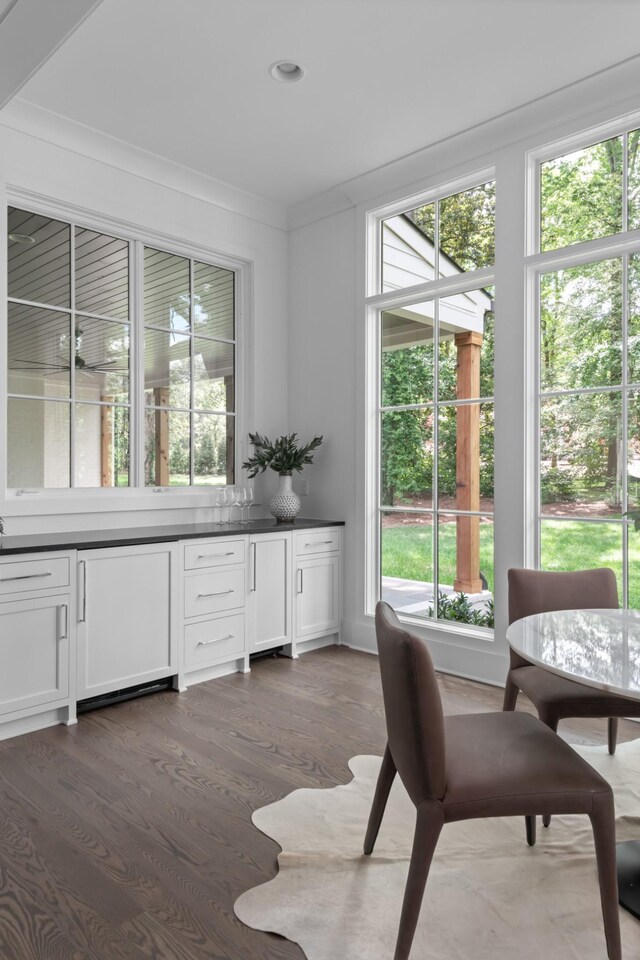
(383, 786)
(612, 734)
(429, 821)
(511, 692)
(530, 824)
(551, 721)
(604, 837)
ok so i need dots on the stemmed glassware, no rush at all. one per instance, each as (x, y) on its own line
(224, 501)
(241, 501)
(247, 502)
(237, 500)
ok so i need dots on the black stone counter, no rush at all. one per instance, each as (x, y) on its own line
(92, 539)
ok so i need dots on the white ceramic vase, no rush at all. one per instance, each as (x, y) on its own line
(285, 505)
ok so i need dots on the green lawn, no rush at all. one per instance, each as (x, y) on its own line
(566, 545)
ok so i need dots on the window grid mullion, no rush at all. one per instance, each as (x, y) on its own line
(192, 458)
(72, 358)
(436, 433)
(624, 442)
(137, 430)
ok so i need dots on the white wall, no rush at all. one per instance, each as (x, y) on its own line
(327, 309)
(99, 176)
(322, 385)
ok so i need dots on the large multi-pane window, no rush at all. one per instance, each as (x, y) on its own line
(589, 360)
(189, 364)
(435, 407)
(87, 352)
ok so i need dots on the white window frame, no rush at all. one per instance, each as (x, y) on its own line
(538, 263)
(134, 497)
(375, 303)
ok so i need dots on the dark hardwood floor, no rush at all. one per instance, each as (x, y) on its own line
(129, 836)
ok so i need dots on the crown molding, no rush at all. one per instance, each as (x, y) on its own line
(585, 102)
(34, 121)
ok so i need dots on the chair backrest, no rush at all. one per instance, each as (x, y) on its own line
(543, 591)
(413, 708)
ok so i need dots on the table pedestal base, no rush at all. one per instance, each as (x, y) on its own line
(628, 859)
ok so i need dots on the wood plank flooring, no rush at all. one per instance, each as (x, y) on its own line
(128, 837)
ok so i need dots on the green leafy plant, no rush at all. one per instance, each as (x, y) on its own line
(558, 486)
(283, 455)
(458, 607)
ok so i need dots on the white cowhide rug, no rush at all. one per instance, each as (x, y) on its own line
(489, 896)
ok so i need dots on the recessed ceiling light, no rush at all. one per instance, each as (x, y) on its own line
(286, 71)
(21, 238)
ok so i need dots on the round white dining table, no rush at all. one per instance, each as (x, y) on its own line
(600, 648)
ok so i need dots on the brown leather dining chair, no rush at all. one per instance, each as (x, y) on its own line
(556, 698)
(476, 765)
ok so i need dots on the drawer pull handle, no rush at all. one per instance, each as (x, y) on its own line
(206, 556)
(26, 576)
(319, 543)
(63, 632)
(219, 593)
(205, 643)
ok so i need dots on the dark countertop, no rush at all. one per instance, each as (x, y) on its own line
(92, 539)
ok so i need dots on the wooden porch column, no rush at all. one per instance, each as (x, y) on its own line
(106, 443)
(468, 463)
(161, 399)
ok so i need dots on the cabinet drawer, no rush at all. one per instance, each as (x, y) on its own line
(322, 541)
(213, 592)
(212, 640)
(19, 576)
(213, 554)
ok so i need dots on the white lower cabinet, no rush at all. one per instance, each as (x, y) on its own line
(317, 596)
(270, 589)
(127, 630)
(212, 608)
(318, 577)
(37, 641)
(88, 623)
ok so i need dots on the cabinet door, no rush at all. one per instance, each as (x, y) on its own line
(34, 645)
(270, 592)
(128, 617)
(317, 596)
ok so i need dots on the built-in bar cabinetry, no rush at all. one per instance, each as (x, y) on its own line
(127, 617)
(318, 583)
(270, 589)
(37, 641)
(106, 616)
(213, 600)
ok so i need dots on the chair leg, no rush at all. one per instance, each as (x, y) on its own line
(604, 837)
(550, 720)
(429, 821)
(612, 734)
(530, 824)
(383, 786)
(511, 692)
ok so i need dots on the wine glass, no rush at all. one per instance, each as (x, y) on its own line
(242, 502)
(237, 500)
(248, 502)
(221, 501)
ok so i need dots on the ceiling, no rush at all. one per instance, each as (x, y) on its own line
(189, 81)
